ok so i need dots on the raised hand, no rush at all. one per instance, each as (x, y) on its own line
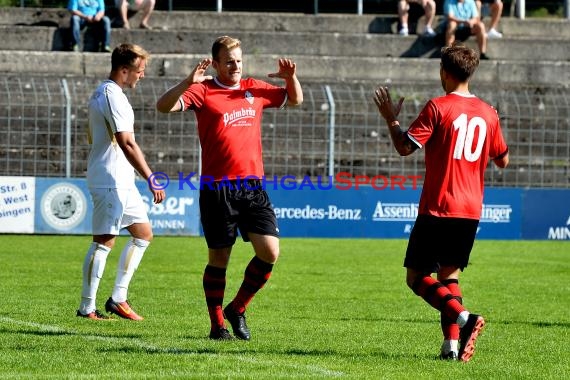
(198, 74)
(287, 69)
(383, 101)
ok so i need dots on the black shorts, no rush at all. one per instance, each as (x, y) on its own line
(436, 242)
(232, 205)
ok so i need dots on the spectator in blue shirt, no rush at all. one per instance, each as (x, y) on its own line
(89, 13)
(462, 20)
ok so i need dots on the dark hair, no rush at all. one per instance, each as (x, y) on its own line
(224, 41)
(459, 61)
(126, 55)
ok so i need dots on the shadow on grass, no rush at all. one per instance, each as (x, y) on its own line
(68, 333)
(162, 350)
(533, 323)
(37, 332)
(425, 320)
(383, 355)
(544, 324)
(131, 344)
(387, 319)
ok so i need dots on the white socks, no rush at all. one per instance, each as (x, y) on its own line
(453, 345)
(462, 319)
(130, 259)
(93, 267)
(449, 345)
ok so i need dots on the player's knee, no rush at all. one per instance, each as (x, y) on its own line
(141, 243)
(143, 236)
(269, 256)
(148, 236)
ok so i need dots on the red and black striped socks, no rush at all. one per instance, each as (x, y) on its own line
(438, 296)
(256, 275)
(214, 282)
(449, 327)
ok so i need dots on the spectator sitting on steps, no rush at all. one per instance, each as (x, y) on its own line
(146, 6)
(496, 8)
(462, 20)
(403, 11)
(89, 13)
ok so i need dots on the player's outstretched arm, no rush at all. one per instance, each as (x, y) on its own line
(390, 112)
(288, 72)
(168, 102)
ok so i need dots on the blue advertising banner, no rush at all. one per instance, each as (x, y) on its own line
(64, 207)
(546, 214)
(387, 213)
(345, 213)
(501, 214)
(179, 214)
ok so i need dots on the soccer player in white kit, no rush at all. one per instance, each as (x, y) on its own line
(117, 203)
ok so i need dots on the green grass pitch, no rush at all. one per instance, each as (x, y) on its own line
(334, 308)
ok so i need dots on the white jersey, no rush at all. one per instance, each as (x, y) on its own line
(109, 112)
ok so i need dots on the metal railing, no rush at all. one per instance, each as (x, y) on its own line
(337, 129)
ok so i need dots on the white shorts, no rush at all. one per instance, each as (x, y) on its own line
(115, 209)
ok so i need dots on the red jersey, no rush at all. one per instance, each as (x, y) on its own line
(229, 124)
(459, 133)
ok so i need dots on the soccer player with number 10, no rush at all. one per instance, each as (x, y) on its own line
(459, 133)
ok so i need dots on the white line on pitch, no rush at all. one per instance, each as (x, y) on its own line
(140, 344)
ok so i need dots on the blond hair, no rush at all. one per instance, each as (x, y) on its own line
(224, 42)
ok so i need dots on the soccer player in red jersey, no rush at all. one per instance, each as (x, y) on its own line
(228, 109)
(459, 133)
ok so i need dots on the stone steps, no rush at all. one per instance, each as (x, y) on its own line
(327, 69)
(279, 22)
(327, 47)
(291, 43)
